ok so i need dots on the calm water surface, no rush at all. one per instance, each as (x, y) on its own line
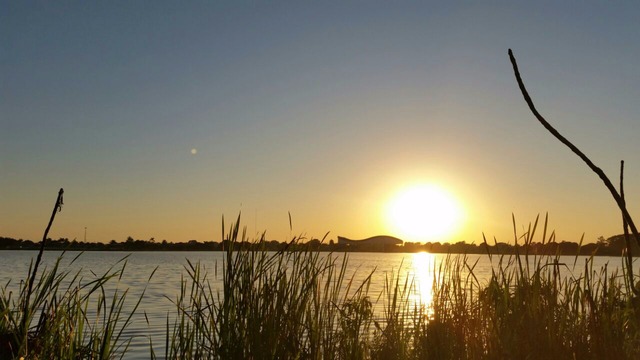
(169, 268)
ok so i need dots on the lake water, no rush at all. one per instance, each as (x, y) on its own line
(165, 283)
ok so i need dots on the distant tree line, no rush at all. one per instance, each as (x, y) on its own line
(613, 246)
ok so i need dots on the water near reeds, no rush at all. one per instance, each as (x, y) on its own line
(150, 321)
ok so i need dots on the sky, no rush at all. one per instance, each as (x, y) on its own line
(160, 118)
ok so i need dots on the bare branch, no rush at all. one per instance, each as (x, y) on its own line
(581, 155)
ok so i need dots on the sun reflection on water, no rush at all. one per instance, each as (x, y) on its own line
(423, 267)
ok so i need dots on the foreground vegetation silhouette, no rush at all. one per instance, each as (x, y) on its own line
(300, 304)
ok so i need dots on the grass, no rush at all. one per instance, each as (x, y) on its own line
(301, 305)
(67, 317)
(274, 305)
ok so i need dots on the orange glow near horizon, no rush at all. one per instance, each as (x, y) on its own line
(423, 213)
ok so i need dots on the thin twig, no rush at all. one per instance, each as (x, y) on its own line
(627, 240)
(575, 150)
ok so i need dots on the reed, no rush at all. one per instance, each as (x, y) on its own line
(301, 304)
(57, 314)
(298, 304)
(529, 310)
(70, 317)
(288, 304)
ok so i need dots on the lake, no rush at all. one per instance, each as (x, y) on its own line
(165, 283)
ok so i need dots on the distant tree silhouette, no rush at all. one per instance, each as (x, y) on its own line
(612, 246)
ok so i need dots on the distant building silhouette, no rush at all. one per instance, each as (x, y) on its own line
(374, 243)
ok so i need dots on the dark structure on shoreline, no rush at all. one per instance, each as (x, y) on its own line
(374, 243)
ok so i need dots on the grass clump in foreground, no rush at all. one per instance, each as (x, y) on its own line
(298, 304)
(532, 307)
(67, 317)
(284, 305)
(60, 315)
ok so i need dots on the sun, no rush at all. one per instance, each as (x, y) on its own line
(425, 212)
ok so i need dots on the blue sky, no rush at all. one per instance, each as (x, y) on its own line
(323, 110)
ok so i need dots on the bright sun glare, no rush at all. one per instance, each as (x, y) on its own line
(424, 212)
